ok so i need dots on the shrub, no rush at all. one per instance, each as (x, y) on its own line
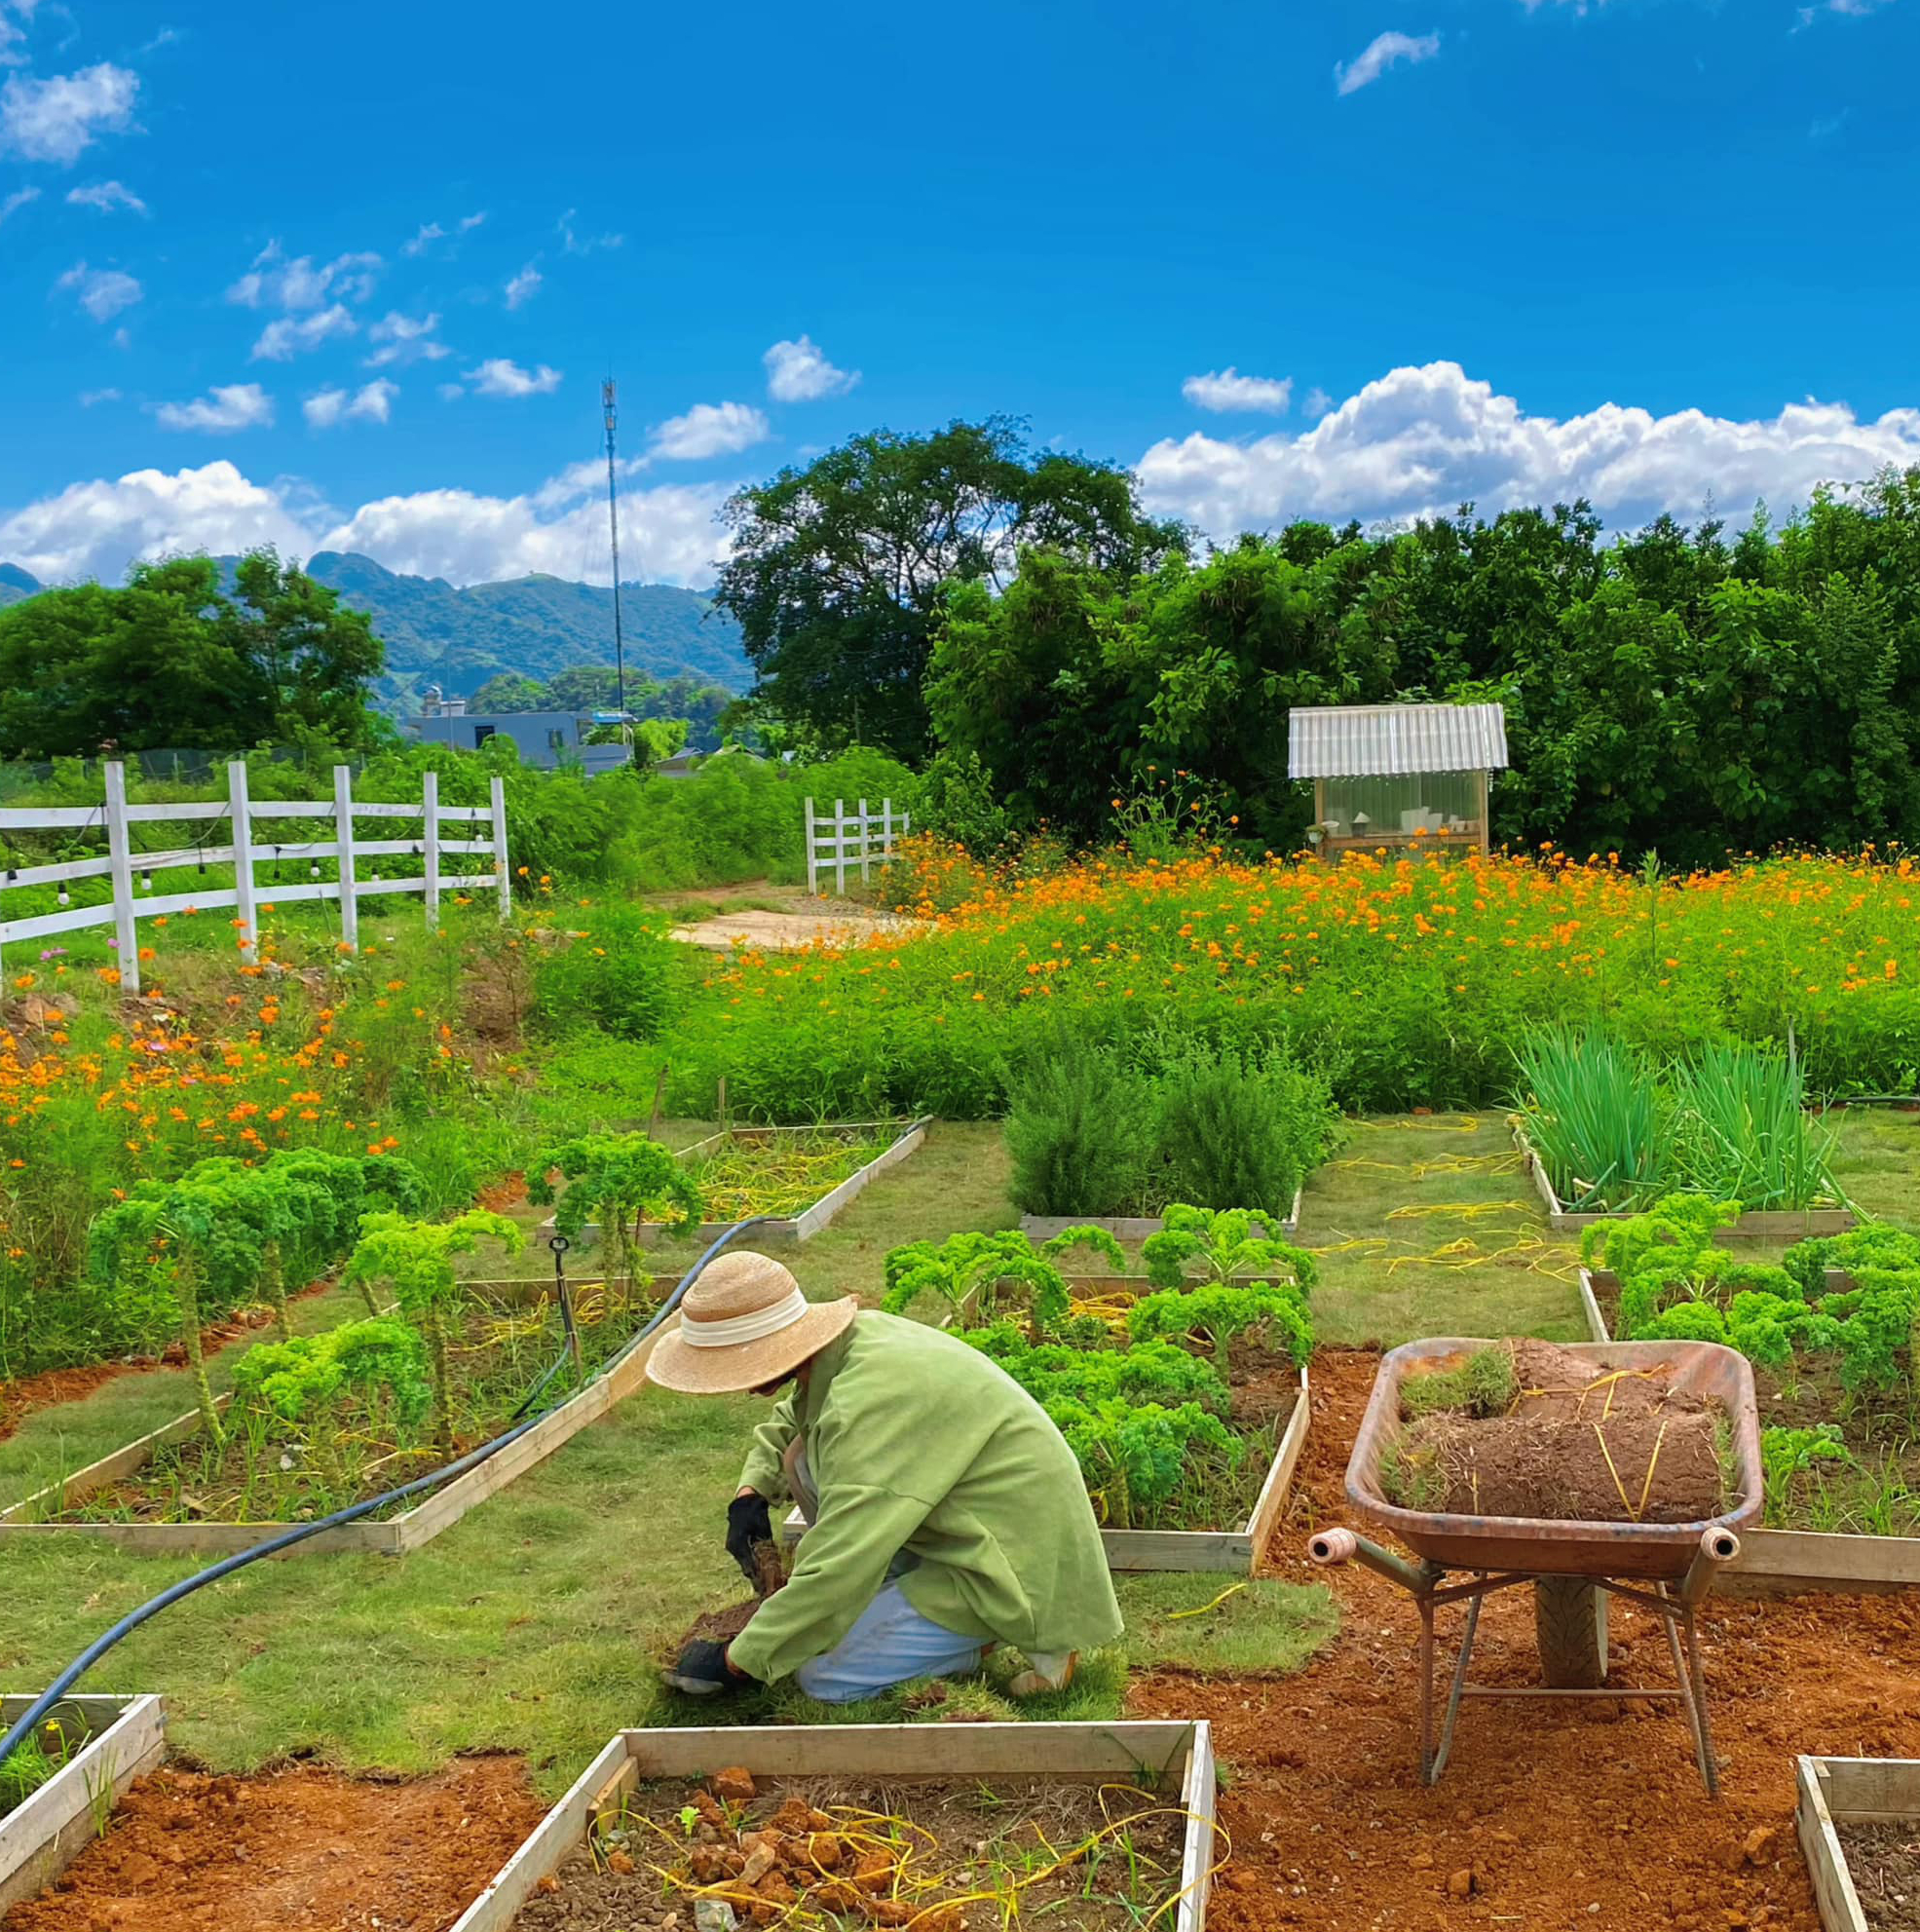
(617, 977)
(1084, 1133)
(1241, 1130)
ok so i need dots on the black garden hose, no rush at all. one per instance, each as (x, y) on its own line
(187, 1585)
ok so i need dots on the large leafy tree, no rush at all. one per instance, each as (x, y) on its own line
(837, 569)
(174, 658)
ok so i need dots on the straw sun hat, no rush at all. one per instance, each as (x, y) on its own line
(744, 1323)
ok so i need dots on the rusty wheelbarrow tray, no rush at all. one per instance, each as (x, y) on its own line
(1573, 1567)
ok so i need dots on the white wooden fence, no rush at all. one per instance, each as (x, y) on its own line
(132, 871)
(847, 839)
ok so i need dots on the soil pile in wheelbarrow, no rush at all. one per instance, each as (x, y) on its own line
(1527, 1429)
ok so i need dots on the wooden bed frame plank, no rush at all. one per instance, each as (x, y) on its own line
(393, 1537)
(1075, 1750)
(1848, 1791)
(41, 1837)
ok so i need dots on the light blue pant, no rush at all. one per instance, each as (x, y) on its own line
(889, 1643)
(890, 1640)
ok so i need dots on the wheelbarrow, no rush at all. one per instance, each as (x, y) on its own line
(1665, 1568)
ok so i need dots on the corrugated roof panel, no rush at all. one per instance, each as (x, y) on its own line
(1392, 740)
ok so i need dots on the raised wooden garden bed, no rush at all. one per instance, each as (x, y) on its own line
(801, 1227)
(1234, 1552)
(1779, 1563)
(393, 1536)
(40, 1837)
(1134, 1227)
(1844, 1803)
(1177, 1756)
(1783, 1227)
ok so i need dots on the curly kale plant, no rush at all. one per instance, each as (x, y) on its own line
(1223, 1310)
(974, 1273)
(415, 1259)
(619, 1181)
(1225, 1240)
(1134, 1460)
(1785, 1454)
(302, 1388)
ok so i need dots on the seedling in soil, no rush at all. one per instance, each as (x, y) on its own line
(35, 1760)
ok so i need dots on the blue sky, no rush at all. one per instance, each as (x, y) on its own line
(350, 276)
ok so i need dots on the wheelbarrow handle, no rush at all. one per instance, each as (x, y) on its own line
(1718, 1546)
(1337, 1546)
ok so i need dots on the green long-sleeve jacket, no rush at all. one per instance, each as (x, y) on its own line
(917, 1442)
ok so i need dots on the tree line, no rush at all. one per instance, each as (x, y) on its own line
(1013, 622)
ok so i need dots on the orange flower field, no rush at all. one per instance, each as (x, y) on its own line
(1407, 979)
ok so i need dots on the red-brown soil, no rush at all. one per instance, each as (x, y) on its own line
(1552, 1815)
(297, 1851)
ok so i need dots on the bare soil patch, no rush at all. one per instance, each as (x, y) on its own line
(883, 1854)
(1884, 1860)
(295, 1850)
(1558, 1814)
(842, 926)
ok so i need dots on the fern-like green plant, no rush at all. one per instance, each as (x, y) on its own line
(1223, 1310)
(1225, 1240)
(973, 1273)
(415, 1260)
(620, 1181)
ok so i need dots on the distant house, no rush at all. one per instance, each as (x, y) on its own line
(1398, 775)
(545, 739)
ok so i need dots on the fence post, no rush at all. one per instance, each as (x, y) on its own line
(840, 847)
(120, 854)
(430, 813)
(241, 807)
(501, 867)
(886, 831)
(865, 844)
(813, 857)
(343, 831)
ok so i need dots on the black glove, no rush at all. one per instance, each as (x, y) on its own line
(702, 1671)
(747, 1524)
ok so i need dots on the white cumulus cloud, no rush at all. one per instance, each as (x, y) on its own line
(274, 282)
(18, 200)
(371, 402)
(574, 243)
(524, 286)
(1380, 54)
(1317, 402)
(288, 336)
(499, 375)
(1421, 442)
(58, 117)
(798, 372)
(106, 196)
(709, 429)
(95, 529)
(14, 21)
(1225, 390)
(102, 291)
(406, 339)
(237, 405)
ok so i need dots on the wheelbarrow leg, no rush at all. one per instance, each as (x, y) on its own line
(1693, 1689)
(1433, 1758)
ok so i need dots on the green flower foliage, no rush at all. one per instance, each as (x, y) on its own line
(1222, 1311)
(303, 1381)
(1225, 1238)
(981, 1269)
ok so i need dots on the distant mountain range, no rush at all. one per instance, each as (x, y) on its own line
(457, 638)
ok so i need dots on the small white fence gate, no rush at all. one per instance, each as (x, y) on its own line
(851, 838)
(130, 904)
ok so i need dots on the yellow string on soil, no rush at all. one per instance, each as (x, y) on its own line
(1458, 1210)
(1626, 1503)
(1232, 1590)
(1653, 1463)
(1468, 1164)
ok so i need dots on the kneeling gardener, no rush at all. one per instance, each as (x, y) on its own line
(946, 1514)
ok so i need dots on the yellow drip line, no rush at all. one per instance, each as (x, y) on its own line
(1460, 1210)
(1232, 1590)
(1626, 1503)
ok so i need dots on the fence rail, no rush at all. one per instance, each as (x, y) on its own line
(132, 871)
(845, 839)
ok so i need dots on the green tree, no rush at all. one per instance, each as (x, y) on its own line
(838, 570)
(173, 659)
(510, 691)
